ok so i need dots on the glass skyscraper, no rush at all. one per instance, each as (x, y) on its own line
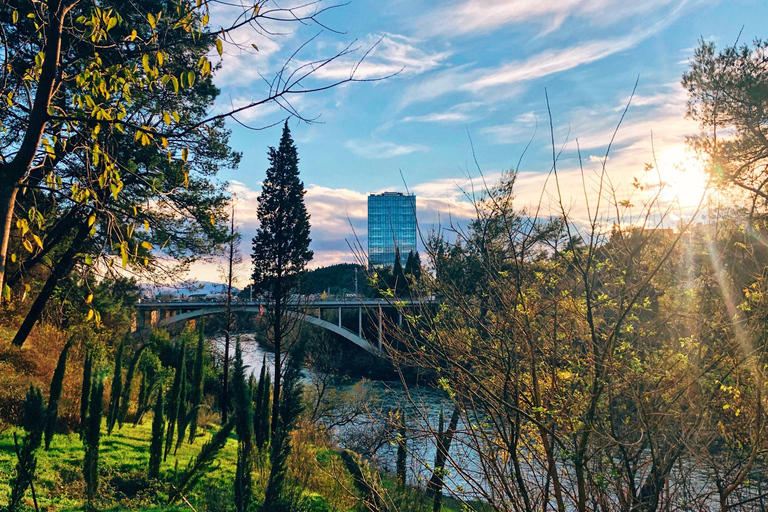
(391, 224)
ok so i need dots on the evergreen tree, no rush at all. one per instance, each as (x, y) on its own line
(142, 398)
(125, 402)
(244, 431)
(399, 285)
(261, 407)
(176, 397)
(92, 437)
(116, 391)
(85, 394)
(156, 446)
(55, 394)
(413, 266)
(196, 398)
(33, 423)
(287, 416)
(281, 245)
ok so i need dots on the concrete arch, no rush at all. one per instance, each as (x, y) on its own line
(341, 331)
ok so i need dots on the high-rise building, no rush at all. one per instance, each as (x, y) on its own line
(391, 225)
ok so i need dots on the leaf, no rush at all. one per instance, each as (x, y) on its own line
(89, 298)
(92, 218)
(255, 47)
(190, 78)
(37, 240)
(145, 62)
(160, 58)
(28, 246)
(167, 118)
(15, 17)
(184, 154)
(152, 20)
(89, 315)
(88, 259)
(175, 83)
(147, 245)
(6, 292)
(123, 255)
(219, 45)
(13, 257)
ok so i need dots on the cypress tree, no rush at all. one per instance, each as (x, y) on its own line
(287, 416)
(196, 398)
(33, 423)
(125, 402)
(261, 409)
(116, 390)
(55, 394)
(85, 394)
(175, 396)
(244, 430)
(281, 245)
(156, 446)
(181, 417)
(142, 398)
(92, 437)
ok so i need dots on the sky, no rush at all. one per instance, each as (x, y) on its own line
(467, 101)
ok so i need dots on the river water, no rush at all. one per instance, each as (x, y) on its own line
(372, 432)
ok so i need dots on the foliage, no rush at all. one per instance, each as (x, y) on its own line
(262, 407)
(85, 395)
(244, 430)
(55, 394)
(116, 390)
(92, 439)
(176, 394)
(196, 399)
(287, 416)
(34, 425)
(156, 446)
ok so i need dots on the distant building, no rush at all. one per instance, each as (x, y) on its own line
(391, 225)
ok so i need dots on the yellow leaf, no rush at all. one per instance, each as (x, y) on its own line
(184, 154)
(89, 298)
(89, 315)
(6, 292)
(160, 58)
(151, 19)
(91, 219)
(15, 16)
(147, 245)
(37, 240)
(219, 47)
(28, 245)
(146, 225)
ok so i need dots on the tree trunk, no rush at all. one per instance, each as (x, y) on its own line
(7, 202)
(435, 485)
(278, 340)
(62, 268)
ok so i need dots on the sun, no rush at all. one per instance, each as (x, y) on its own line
(685, 181)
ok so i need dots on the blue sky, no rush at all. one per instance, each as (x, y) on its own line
(473, 69)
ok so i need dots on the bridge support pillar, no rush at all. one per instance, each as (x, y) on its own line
(360, 321)
(399, 319)
(339, 316)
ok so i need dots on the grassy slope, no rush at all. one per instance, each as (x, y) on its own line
(123, 459)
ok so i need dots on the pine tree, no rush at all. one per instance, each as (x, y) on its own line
(156, 446)
(281, 245)
(116, 390)
(34, 424)
(92, 437)
(196, 398)
(176, 397)
(55, 394)
(85, 394)
(244, 430)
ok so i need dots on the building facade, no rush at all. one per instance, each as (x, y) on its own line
(391, 226)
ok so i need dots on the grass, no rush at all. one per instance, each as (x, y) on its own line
(123, 457)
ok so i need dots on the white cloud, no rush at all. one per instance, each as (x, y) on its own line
(382, 149)
(390, 54)
(520, 130)
(473, 16)
(438, 117)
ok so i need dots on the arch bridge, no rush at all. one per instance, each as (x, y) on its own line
(163, 314)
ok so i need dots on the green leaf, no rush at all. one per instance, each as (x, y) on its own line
(6, 292)
(15, 17)
(190, 78)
